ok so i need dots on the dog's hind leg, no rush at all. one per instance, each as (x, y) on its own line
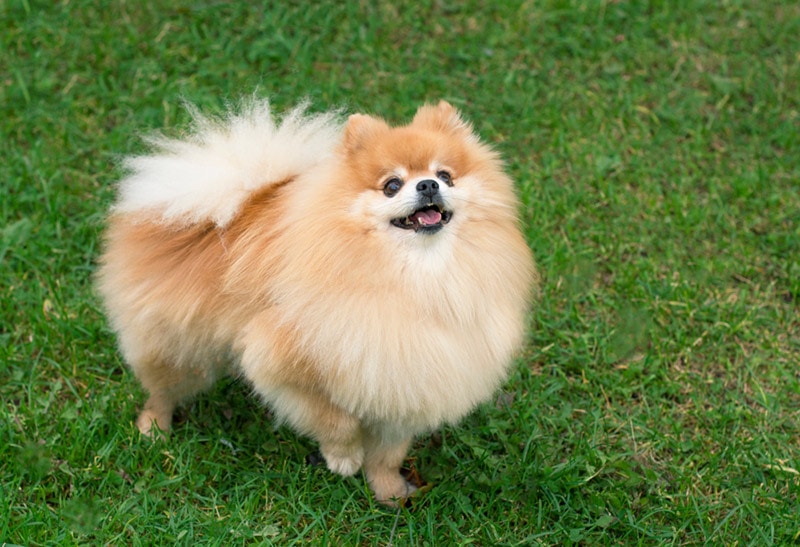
(168, 386)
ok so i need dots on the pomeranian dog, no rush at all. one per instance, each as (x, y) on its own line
(369, 282)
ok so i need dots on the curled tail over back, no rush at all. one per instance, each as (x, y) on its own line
(208, 174)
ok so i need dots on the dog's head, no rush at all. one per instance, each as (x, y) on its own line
(421, 180)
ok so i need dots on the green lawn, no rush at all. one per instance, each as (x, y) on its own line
(655, 145)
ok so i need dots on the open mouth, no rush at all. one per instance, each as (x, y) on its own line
(428, 219)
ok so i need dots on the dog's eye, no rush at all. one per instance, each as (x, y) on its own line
(445, 177)
(392, 186)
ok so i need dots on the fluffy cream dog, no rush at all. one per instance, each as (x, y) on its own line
(370, 282)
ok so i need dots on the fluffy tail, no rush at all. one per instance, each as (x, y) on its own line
(209, 174)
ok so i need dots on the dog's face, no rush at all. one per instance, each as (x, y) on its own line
(419, 201)
(418, 181)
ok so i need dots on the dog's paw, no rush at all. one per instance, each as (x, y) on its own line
(394, 493)
(345, 461)
(151, 424)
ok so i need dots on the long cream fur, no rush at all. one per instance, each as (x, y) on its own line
(266, 249)
(210, 174)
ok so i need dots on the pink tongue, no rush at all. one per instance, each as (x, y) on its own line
(428, 217)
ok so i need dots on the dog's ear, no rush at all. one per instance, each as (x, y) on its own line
(361, 129)
(441, 117)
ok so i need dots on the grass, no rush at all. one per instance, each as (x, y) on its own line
(656, 149)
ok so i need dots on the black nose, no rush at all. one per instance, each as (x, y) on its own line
(428, 187)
